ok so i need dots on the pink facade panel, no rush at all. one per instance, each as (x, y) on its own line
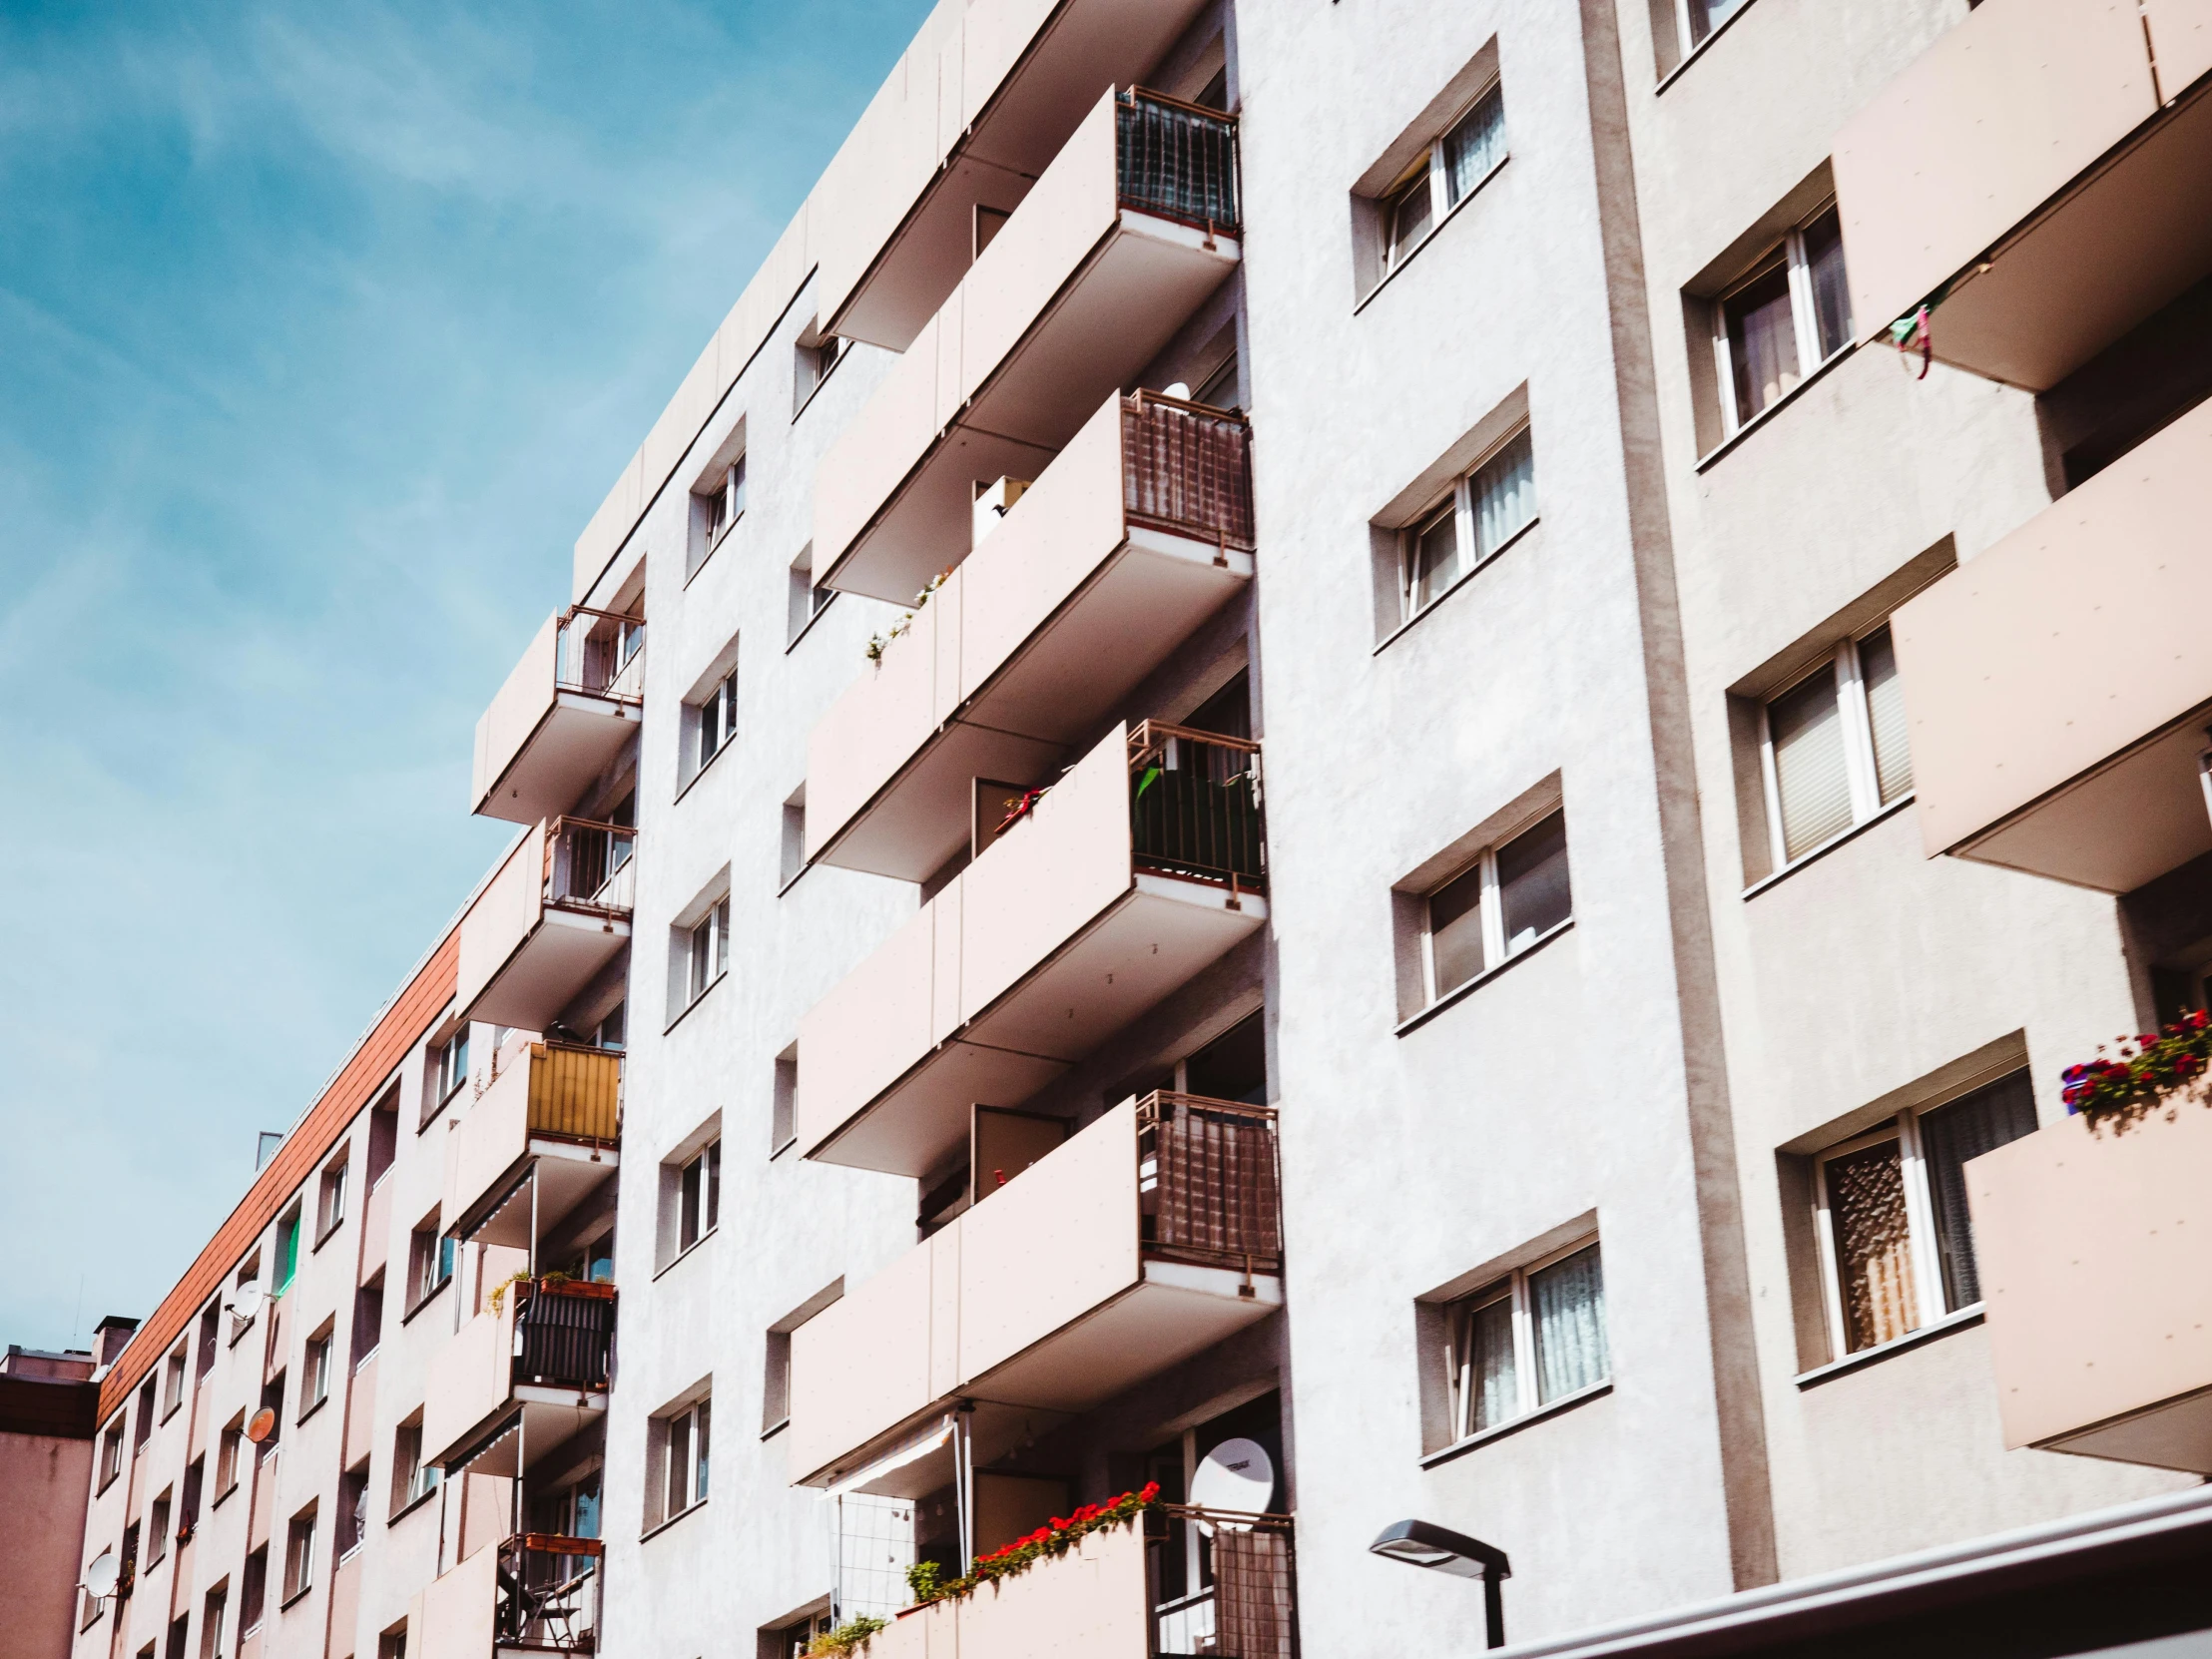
(502, 916)
(360, 1414)
(862, 1365)
(884, 442)
(453, 1618)
(486, 1139)
(888, 714)
(523, 702)
(2180, 42)
(469, 1378)
(1991, 121)
(857, 1041)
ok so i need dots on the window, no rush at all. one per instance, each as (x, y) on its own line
(180, 1629)
(812, 357)
(315, 1375)
(806, 600)
(211, 1321)
(683, 1463)
(299, 1554)
(187, 1508)
(1785, 320)
(412, 1478)
(1832, 747)
(699, 1197)
(111, 1451)
(776, 1389)
(392, 1644)
(449, 1070)
(157, 1526)
(430, 1264)
(226, 1457)
(144, 1425)
(210, 1621)
(173, 1381)
(368, 1319)
(794, 850)
(1895, 1239)
(1444, 176)
(249, 1274)
(1532, 1338)
(287, 1251)
(253, 1591)
(721, 502)
(353, 1509)
(707, 951)
(717, 718)
(784, 1102)
(1500, 906)
(330, 1204)
(1486, 510)
(1699, 18)
(273, 1401)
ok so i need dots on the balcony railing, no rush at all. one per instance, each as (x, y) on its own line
(565, 1334)
(601, 654)
(550, 1593)
(1248, 1611)
(576, 1092)
(1178, 160)
(1187, 468)
(588, 867)
(1195, 808)
(1208, 1186)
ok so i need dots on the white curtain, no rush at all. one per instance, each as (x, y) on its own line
(1568, 1302)
(1475, 146)
(1504, 495)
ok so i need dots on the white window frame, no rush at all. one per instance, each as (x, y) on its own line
(316, 1382)
(172, 1380)
(1686, 20)
(300, 1545)
(1920, 1225)
(716, 721)
(1804, 319)
(1858, 756)
(708, 1162)
(1489, 909)
(331, 1198)
(685, 1481)
(1441, 203)
(707, 940)
(1460, 505)
(720, 507)
(1525, 1382)
(450, 1077)
(229, 1449)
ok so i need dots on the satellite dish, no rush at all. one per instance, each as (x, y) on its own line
(1236, 1475)
(247, 1300)
(261, 1426)
(101, 1577)
(1180, 389)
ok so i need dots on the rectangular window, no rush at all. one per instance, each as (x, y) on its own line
(776, 1389)
(111, 1452)
(1832, 747)
(1444, 176)
(1532, 1338)
(273, 1401)
(684, 1472)
(708, 952)
(173, 1381)
(210, 1621)
(330, 1207)
(718, 720)
(1785, 320)
(784, 1101)
(287, 1251)
(811, 362)
(1896, 1238)
(249, 1274)
(226, 1457)
(1500, 906)
(805, 601)
(448, 1068)
(145, 1422)
(1486, 510)
(383, 1137)
(157, 1528)
(1699, 18)
(299, 1554)
(721, 502)
(698, 1201)
(430, 1264)
(253, 1591)
(412, 1478)
(368, 1319)
(211, 1321)
(187, 1508)
(353, 1510)
(315, 1379)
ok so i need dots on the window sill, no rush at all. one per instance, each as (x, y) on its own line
(686, 1253)
(792, 881)
(774, 1428)
(713, 548)
(704, 991)
(238, 1330)
(1829, 846)
(326, 1236)
(1434, 230)
(410, 1506)
(1458, 993)
(217, 1502)
(172, 1412)
(1499, 1431)
(1430, 609)
(784, 1147)
(808, 627)
(437, 1111)
(1896, 1345)
(426, 1301)
(311, 1409)
(816, 391)
(364, 1359)
(681, 1514)
(685, 788)
(1700, 49)
(1758, 422)
(295, 1599)
(101, 1489)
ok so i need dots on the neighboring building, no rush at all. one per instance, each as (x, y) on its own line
(48, 1407)
(1599, 1096)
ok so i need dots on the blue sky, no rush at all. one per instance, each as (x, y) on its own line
(322, 331)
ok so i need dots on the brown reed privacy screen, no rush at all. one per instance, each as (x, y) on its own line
(1187, 468)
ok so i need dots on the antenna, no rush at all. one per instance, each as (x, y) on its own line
(262, 1426)
(247, 1300)
(101, 1577)
(1237, 1475)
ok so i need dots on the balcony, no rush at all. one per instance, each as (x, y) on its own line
(555, 914)
(1129, 230)
(518, 1381)
(555, 1119)
(2051, 164)
(565, 712)
(2094, 1250)
(1137, 533)
(2058, 685)
(533, 1594)
(1095, 900)
(1105, 1598)
(1167, 1236)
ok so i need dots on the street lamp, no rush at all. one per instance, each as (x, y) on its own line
(1419, 1544)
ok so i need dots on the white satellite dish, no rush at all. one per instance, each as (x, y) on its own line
(1236, 1475)
(101, 1577)
(246, 1300)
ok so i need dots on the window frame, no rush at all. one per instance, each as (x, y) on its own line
(706, 938)
(1862, 769)
(697, 1471)
(1789, 253)
(1513, 1285)
(715, 714)
(330, 1194)
(1490, 912)
(721, 507)
(1462, 505)
(446, 1076)
(300, 1544)
(317, 1367)
(227, 1458)
(705, 1209)
(1433, 168)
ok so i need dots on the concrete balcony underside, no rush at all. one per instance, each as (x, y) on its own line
(1058, 615)
(476, 1413)
(2049, 161)
(563, 715)
(976, 1314)
(978, 122)
(523, 957)
(1029, 959)
(1067, 305)
(2095, 1251)
(2058, 684)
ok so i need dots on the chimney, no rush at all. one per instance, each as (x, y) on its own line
(109, 1337)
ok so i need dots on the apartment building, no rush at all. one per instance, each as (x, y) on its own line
(47, 1406)
(1484, 695)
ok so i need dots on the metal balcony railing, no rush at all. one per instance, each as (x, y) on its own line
(1209, 1188)
(1195, 806)
(1187, 468)
(601, 654)
(1178, 160)
(1244, 1601)
(564, 1334)
(550, 1593)
(587, 866)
